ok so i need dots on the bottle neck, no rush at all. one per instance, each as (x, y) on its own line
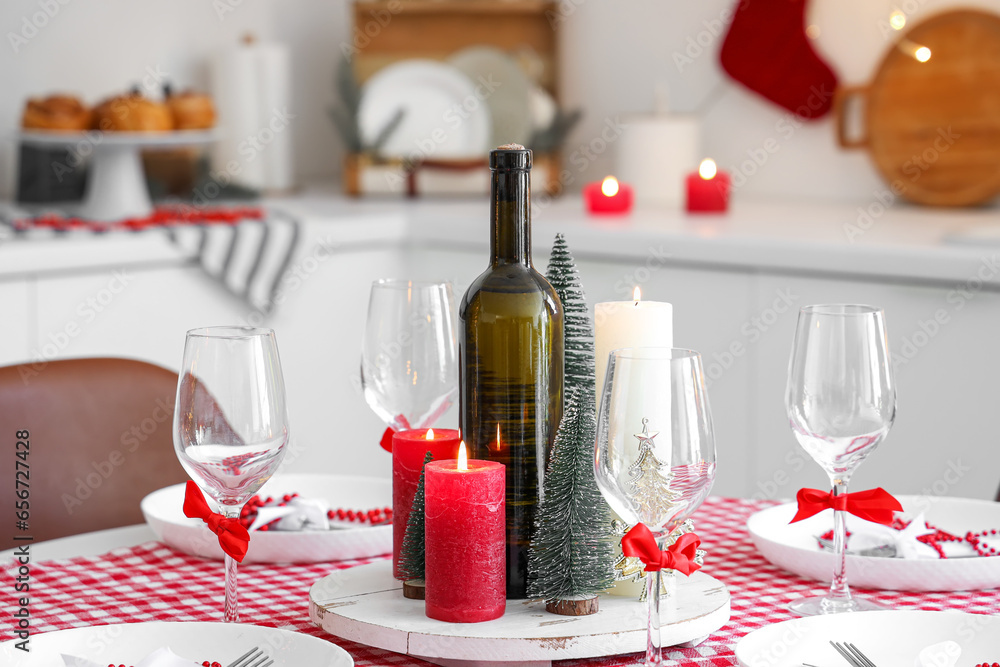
(510, 224)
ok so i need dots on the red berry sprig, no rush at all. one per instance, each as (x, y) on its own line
(372, 517)
(986, 664)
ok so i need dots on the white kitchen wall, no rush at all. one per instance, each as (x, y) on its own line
(614, 53)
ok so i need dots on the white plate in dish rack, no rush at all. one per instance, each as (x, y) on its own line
(164, 514)
(888, 638)
(128, 643)
(793, 547)
(444, 113)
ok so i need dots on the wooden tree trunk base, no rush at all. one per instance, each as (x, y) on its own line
(414, 589)
(583, 607)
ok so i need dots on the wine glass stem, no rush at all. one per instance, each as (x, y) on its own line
(653, 653)
(231, 613)
(839, 591)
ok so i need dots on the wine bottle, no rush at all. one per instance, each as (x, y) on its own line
(511, 359)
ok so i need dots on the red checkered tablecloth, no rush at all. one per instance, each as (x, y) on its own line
(153, 582)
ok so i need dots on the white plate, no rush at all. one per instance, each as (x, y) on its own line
(793, 547)
(164, 514)
(95, 138)
(888, 638)
(508, 89)
(444, 116)
(128, 643)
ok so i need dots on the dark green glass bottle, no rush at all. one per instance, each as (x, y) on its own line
(511, 359)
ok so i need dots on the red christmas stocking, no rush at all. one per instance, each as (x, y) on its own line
(767, 50)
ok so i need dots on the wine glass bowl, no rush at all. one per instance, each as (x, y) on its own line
(841, 403)
(230, 419)
(654, 457)
(409, 362)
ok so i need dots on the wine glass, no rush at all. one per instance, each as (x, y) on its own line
(841, 401)
(409, 365)
(655, 449)
(230, 420)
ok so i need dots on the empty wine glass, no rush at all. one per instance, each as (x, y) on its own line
(230, 420)
(409, 367)
(841, 402)
(655, 450)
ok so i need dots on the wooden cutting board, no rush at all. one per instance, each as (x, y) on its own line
(933, 128)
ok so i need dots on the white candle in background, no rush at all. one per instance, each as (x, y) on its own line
(636, 323)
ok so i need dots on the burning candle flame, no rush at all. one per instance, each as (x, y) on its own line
(897, 20)
(707, 169)
(430, 434)
(609, 186)
(922, 54)
(498, 436)
(463, 458)
(637, 294)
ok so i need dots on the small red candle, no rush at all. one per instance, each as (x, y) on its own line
(608, 196)
(707, 189)
(408, 450)
(464, 534)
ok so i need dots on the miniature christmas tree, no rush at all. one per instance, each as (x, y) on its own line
(411, 553)
(572, 553)
(652, 488)
(578, 332)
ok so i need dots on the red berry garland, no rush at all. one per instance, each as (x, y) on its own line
(373, 517)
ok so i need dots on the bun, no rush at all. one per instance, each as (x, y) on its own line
(57, 112)
(132, 113)
(191, 111)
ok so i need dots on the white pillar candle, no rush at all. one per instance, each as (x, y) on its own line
(636, 323)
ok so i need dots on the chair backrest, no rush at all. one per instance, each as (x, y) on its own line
(98, 436)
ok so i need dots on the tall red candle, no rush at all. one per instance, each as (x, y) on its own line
(408, 450)
(464, 537)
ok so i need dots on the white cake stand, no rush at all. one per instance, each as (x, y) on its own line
(116, 186)
(365, 604)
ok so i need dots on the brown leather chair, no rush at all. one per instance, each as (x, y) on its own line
(99, 438)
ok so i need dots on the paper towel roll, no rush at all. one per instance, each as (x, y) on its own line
(250, 83)
(655, 154)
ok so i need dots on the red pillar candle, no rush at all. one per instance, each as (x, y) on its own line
(464, 534)
(707, 189)
(408, 451)
(608, 196)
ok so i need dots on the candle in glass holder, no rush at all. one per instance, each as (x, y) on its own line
(465, 540)
(408, 451)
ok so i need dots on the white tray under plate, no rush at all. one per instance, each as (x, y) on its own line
(365, 604)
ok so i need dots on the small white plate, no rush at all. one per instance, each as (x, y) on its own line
(164, 514)
(506, 88)
(793, 547)
(445, 114)
(888, 638)
(128, 643)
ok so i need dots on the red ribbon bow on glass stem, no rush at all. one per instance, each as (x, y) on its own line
(876, 505)
(640, 543)
(233, 537)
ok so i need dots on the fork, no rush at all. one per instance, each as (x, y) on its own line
(853, 654)
(252, 658)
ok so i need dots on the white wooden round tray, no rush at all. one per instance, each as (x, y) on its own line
(365, 604)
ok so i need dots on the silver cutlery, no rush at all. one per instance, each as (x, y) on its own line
(880, 551)
(253, 658)
(853, 654)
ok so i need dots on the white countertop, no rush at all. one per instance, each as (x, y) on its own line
(900, 243)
